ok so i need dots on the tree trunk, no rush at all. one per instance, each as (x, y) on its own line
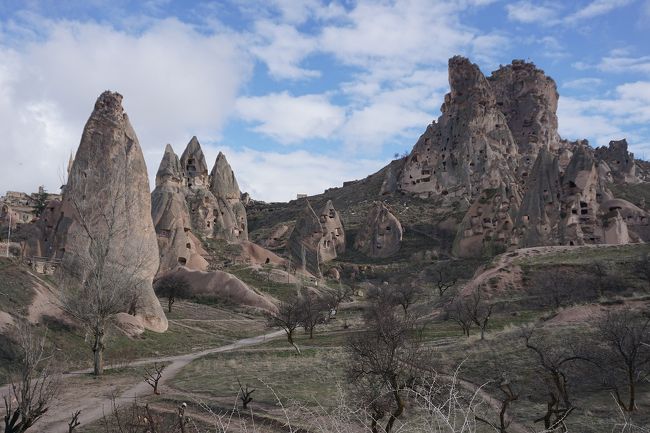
(482, 333)
(290, 338)
(98, 352)
(170, 302)
(311, 332)
(400, 407)
(632, 387)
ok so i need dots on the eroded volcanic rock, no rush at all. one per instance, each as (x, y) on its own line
(496, 153)
(171, 218)
(470, 148)
(316, 239)
(381, 236)
(108, 190)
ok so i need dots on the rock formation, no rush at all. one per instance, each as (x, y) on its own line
(470, 148)
(316, 239)
(171, 218)
(496, 153)
(381, 235)
(333, 241)
(224, 287)
(621, 162)
(230, 222)
(195, 169)
(107, 193)
(189, 203)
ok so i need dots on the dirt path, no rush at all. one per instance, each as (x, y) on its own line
(94, 402)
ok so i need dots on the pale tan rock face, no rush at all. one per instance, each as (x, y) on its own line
(381, 236)
(528, 99)
(621, 162)
(539, 215)
(108, 179)
(171, 218)
(316, 239)
(194, 167)
(495, 151)
(333, 239)
(231, 222)
(469, 148)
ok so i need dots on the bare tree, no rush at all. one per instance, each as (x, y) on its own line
(405, 295)
(138, 418)
(341, 293)
(312, 311)
(153, 376)
(382, 363)
(443, 283)
(74, 421)
(626, 354)
(287, 317)
(556, 360)
(172, 286)
(37, 385)
(479, 310)
(104, 276)
(245, 395)
(508, 397)
(458, 312)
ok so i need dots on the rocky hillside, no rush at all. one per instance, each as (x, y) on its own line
(491, 174)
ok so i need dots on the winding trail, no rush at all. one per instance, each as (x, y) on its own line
(93, 407)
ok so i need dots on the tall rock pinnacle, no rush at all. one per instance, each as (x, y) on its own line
(108, 190)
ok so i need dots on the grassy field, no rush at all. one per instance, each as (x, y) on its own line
(311, 378)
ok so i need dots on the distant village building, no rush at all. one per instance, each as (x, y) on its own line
(20, 208)
(299, 196)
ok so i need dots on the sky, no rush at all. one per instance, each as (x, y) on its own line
(299, 95)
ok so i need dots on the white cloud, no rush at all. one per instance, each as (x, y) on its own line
(625, 114)
(291, 119)
(373, 125)
(622, 63)
(176, 82)
(596, 8)
(281, 47)
(527, 12)
(582, 83)
(277, 176)
(404, 32)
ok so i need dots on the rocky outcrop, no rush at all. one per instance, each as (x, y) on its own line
(195, 169)
(171, 218)
(469, 149)
(189, 203)
(333, 240)
(108, 194)
(224, 287)
(528, 98)
(316, 239)
(539, 215)
(495, 154)
(381, 235)
(305, 241)
(621, 162)
(230, 222)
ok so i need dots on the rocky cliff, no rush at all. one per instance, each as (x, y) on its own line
(495, 153)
